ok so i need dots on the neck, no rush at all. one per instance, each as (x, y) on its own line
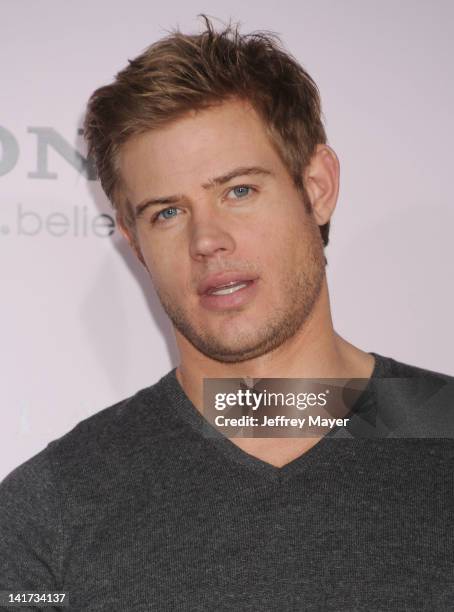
(316, 351)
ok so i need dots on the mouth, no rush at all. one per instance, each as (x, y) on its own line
(230, 295)
(228, 288)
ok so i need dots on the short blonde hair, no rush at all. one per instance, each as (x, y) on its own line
(184, 72)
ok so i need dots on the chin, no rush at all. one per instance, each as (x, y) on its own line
(220, 349)
(232, 356)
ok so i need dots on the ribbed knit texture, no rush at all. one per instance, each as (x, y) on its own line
(136, 509)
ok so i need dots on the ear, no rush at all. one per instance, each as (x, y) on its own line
(321, 181)
(130, 237)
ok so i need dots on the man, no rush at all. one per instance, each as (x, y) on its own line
(212, 151)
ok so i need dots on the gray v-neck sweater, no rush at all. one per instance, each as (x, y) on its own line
(136, 509)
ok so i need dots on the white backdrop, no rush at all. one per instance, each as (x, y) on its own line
(80, 325)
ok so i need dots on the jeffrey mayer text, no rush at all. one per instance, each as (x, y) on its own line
(279, 421)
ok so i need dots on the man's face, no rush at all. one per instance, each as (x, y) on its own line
(253, 225)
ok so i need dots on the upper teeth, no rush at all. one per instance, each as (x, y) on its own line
(226, 289)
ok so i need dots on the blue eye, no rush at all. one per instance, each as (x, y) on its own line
(241, 191)
(166, 210)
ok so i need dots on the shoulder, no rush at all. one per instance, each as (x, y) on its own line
(99, 446)
(422, 382)
(419, 398)
(401, 369)
(110, 437)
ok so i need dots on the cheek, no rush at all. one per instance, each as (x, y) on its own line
(282, 237)
(286, 218)
(157, 266)
(167, 271)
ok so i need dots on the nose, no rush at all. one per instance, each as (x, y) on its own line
(210, 236)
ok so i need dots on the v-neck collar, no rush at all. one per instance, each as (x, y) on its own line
(182, 406)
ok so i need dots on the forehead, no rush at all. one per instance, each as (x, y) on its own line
(201, 144)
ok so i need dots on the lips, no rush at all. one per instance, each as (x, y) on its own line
(216, 281)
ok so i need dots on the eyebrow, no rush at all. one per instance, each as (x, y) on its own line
(218, 180)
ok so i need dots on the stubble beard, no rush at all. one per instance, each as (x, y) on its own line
(301, 289)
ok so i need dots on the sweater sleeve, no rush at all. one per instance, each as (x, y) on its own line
(31, 530)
